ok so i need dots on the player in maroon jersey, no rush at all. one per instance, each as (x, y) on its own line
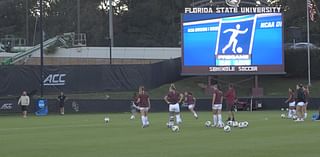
(231, 99)
(217, 98)
(190, 102)
(292, 103)
(173, 99)
(144, 106)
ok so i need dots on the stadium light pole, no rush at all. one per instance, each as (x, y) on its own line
(41, 49)
(308, 47)
(110, 29)
(27, 23)
(78, 20)
(111, 22)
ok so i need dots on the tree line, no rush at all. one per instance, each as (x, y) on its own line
(136, 22)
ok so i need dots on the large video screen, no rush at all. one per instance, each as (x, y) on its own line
(220, 44)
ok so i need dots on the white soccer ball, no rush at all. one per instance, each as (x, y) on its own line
(241, 125)
(294, 117)
(227, 128)
(229, 123)
(220, 125)
(283, 116)
(175, 128)
(246, 124)
(106, 120)
(208, 124)
(235, 124)
(282, 109)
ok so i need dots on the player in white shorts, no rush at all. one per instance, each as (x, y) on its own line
(217, 99)
(307, 97)
(300, 102)
(144, 106)
(173, 99)
(292, 103)
(190, 103)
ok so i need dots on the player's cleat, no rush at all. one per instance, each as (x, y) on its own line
(299, 120)
(214, 125)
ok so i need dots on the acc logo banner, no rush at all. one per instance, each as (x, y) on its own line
(55, 80)
(7, 106)
(233, 3)
(235, 40)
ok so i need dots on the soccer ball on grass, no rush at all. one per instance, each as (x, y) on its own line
(207, 124)
(227, 128)
(175, 128)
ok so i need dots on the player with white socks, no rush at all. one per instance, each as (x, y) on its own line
(173, 99)
(307, 96)
(292, 103)
(190, 102)
(300, 103)
(217, 99)
(144, 106)
(134, 106)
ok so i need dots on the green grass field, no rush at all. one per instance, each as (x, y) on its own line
(86, 135)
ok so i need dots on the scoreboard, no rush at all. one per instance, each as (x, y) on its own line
(225, 44)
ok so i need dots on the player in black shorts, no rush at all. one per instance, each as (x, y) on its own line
(61, 102)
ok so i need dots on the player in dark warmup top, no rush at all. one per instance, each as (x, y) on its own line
(61, 102)
(307, 97)
(300, 100)
(231, 98)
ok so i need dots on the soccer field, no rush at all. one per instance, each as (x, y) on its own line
(84, 135)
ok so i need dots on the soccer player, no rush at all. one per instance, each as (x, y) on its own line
(144, 106)
(61, 102)
(134, 106)
(307, 97)
(24, 101)
(300, 102)
(292, 103)
(231, 98)
(217, 99)
(190, 102)
(173, 99)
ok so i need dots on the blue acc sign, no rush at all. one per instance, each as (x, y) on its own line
(235, 40)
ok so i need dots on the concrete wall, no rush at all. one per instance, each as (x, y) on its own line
(101, 55)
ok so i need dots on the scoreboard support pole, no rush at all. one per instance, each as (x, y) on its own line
(256, 81)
